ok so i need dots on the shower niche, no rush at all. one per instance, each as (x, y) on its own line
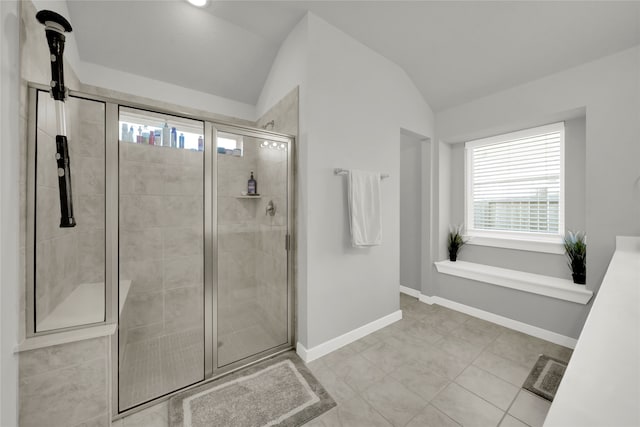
(195, 273)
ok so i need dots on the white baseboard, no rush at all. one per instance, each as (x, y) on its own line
(410, 291)
(502, 321)
(327, 347)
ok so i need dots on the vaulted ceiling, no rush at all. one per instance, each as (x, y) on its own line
(454, 51)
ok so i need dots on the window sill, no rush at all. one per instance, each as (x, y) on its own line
(522, 245)
(552, 287)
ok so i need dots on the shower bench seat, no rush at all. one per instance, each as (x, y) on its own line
(83, 306)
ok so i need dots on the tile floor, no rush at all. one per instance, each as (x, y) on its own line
(436, 367)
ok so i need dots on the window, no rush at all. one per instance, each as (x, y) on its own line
(229, 143)
(515, 191)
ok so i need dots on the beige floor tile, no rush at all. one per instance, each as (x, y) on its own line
(518, 347)
(358, 413)
(508, 370)
(357, 372)
(394, 401)
(530, 408)
(335, 386)
(316, 364)
(155, 416)
(460, 349)
(431, 417)
(441, 323)
(328, 419)
(475, 335)
(440, 362)
(466, 408)
(491, 388)
(422, 382)
(386, 356)
(485, 326)
(421, 330)
(364, 343)
(338, 356)
(453, 315)
(509, 421)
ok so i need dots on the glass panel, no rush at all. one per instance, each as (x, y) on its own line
(70, 262)
(161, 337)
(252, 259)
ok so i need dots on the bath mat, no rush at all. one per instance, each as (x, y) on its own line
(280, 391)
(545, 377)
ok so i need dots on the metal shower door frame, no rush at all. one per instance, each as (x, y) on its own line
(210, 294)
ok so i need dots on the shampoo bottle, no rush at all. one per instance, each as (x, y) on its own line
(252, 185)
(166, 135)
(174, 138)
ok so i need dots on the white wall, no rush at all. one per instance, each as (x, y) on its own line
(357, 103)
(132, 84)
(353, 103)
(9, 208)
(411, 211)
(609, 91)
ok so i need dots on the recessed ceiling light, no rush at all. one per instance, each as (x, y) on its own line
(198, 3)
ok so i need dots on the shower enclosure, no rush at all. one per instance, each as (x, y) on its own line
(196, 272)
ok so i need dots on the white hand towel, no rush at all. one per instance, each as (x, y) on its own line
(365, 216)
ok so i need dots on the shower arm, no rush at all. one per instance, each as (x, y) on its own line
(55, 27)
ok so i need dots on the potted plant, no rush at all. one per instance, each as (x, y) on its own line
(575, 245)
(455, 242)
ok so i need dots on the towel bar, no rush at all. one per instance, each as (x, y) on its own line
(340, 171)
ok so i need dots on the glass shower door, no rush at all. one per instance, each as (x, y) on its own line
(161, 259)
(252, 230)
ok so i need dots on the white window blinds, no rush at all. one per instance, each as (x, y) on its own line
(515, 182)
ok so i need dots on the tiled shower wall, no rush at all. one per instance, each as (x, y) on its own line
(161, 240)
(236, 238)
(271, 254)
(67, 384)
(285, 120)
(68, 257)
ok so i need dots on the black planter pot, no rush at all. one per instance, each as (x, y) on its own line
(579, 279)
(453, 256)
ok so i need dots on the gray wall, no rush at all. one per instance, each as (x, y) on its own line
(607, 90)
(410, 211)
(11, 120)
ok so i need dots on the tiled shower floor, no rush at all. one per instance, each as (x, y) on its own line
(435, 367)
(157, 366)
